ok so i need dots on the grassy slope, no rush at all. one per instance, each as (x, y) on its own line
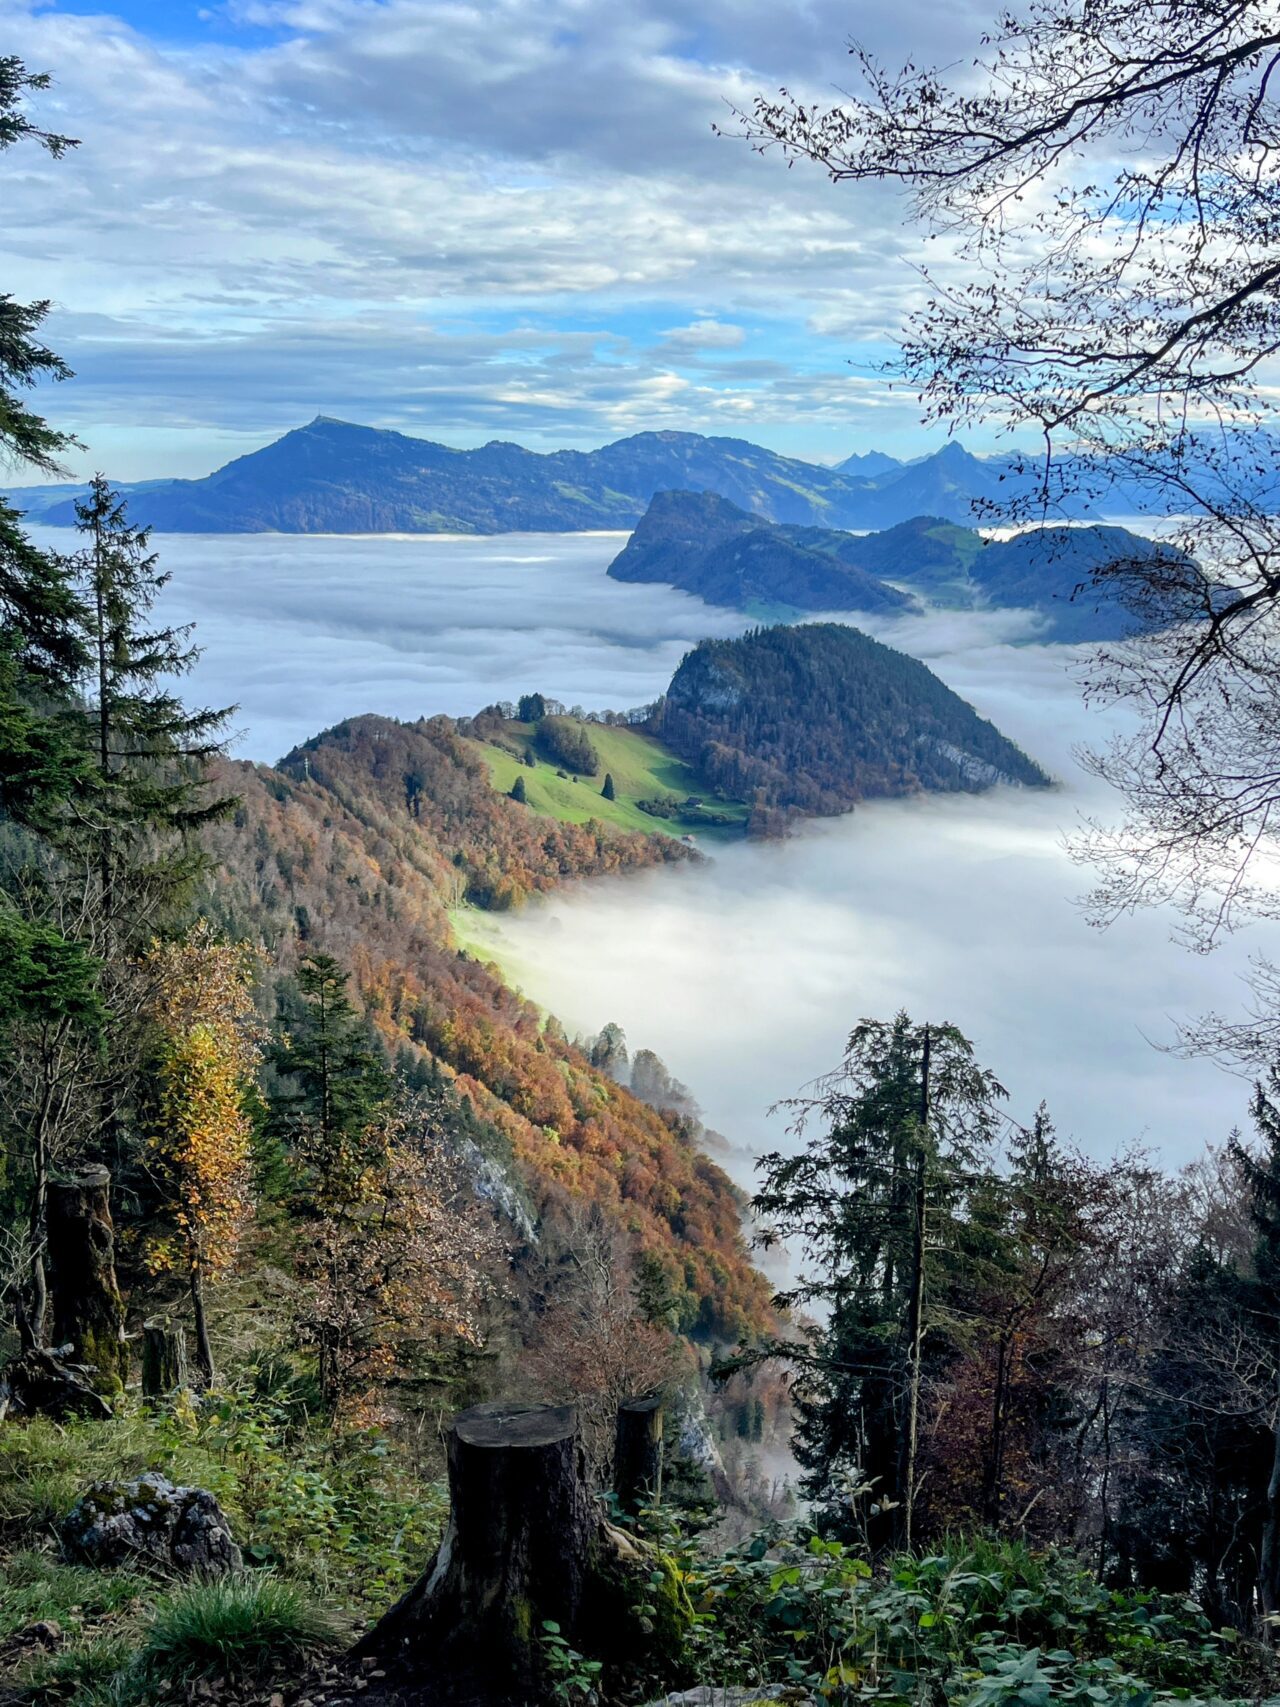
(641, 769)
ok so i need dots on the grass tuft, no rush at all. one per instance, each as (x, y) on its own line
(236, 1626)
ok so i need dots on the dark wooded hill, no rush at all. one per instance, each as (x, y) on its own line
(817, 717)
(703, 544)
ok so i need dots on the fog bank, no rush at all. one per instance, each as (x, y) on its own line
(747, 975)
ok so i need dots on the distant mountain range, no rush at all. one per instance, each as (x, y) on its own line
(703, 544)
(334, 477)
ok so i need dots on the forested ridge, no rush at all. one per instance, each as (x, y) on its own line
(817, 717)
(358, 845)
(1069, 576)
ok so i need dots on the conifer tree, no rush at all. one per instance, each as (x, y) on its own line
(386, 1255)
(876, 1195)
(51, 1010)
(518, 791)
(608, 791)
(336, 1087)
(150, 750)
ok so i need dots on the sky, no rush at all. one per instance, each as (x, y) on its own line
(465, 219)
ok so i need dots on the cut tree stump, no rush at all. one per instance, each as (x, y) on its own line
(38, 1382)
(637, 1454)
(88, 1311)
(526, 1544)
(164, 1358)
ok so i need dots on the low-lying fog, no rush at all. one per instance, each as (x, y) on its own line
(747, 974)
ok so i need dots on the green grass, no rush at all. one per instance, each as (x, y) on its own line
(341, 1523)
(126, 1643)
(641, 768)
(239, 1626)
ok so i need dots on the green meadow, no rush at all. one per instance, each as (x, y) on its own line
(641, 768)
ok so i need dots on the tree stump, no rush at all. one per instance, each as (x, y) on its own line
(637, 1453)
(164, 1358)
(525, 1544)
(88, 1312)
(38, 1382)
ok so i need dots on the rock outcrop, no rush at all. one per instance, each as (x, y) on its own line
(123, 1523)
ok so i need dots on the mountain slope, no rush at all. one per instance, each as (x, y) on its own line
(704, 545)
(817, 717)
(333, 477)
(359, 844)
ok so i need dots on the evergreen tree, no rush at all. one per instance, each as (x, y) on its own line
(608, 791)
(150, 750)
(1262, 1175)
(518, 792)
(336, 1086)
(876, 1197)
(51, 1010)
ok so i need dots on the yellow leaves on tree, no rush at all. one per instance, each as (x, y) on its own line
(207, 1048)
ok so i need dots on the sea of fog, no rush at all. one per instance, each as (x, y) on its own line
(746, 974)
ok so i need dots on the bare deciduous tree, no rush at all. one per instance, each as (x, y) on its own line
(1102, 184)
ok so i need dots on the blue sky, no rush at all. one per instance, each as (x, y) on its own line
(463, 218)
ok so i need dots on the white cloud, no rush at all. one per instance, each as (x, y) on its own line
(242, 216)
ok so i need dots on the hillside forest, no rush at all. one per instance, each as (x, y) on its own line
(293, 1183)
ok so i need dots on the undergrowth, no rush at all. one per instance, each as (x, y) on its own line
(334, 1524)
(338, 1510)
(976, 1624)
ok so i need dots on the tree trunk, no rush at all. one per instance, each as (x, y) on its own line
(525, 1546)
(204, 1348)
(637, 1454)
(164, 1358)
(1269, 1559)
(88, 1312)
(915, 1328)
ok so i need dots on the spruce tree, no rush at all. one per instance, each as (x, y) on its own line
(518, 791)
(51, 1010)
(875, 1197)
(608, 791)
(150, 750)
(336, 1085)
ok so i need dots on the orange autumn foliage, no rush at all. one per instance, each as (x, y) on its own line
(359, 845)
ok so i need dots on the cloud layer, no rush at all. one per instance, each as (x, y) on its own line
(747, 977)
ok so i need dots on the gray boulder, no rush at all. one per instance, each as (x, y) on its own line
(128, 1523)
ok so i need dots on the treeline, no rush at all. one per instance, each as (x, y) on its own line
(1022, 1340)
(817, 717)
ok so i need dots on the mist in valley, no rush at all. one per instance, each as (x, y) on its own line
(746, 974)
